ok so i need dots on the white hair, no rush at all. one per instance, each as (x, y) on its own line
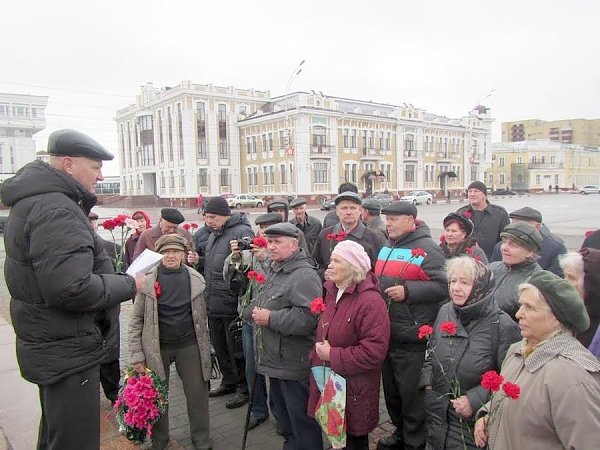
(571, 260)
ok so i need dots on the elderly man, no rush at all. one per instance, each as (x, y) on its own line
(62, 284)
(310, 226)
(413, 283)
(286, 333)
(331, 218)
(282, 207)
(370, 216)
(552, 246)
(347, 206)
(169, 221)
(222, 296)
(489, 220)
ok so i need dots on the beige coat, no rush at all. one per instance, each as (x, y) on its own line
(144, 344)
(559, 404)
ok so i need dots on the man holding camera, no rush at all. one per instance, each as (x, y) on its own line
(222, 297)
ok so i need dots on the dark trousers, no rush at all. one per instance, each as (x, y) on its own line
(110, 374)
(289, 400)
(219, 330)
(189, 368)
(356, 442)
(71, 412)
(403, 398)
(259, 408)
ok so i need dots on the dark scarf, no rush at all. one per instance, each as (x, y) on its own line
(460, 249)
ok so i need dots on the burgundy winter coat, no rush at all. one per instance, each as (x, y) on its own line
(358, 330)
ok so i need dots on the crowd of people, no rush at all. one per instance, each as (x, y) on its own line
(425, 320)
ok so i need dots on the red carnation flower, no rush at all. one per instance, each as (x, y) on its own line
(120, 220)
(442, 238)
(467, 214)
(424, 331)
(260, 278)
(186, 226)
(511, 390)
(157, 289)
(469, 250)
(492, 380)
(341, 236)
(109, 224)
(330, 236)
(260, 242)
(194, 225)
(448, 327)
(317, 305)
(416, 252)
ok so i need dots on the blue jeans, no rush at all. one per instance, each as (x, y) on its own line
(259, 403)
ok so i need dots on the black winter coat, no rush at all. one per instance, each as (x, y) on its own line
(478, 346)
(58, 274)
(221, 297)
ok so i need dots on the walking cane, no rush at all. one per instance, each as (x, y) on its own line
(248, 412)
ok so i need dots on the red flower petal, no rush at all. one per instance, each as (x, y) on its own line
(511, 390)
(448, 327)
(491, 380)
(424, 331)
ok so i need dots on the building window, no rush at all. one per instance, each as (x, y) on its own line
(264, 143)
(253, 144)
(223, 150)
(538, 180)
(180, 131)
(409, 173)
(282, 142)
(556, 180)
(162, 181)
(146, 154)
(409, 145)
(364, 139)
(353, 138)
(122, 138)
(201, 130)
(320, 172)
(371, 141)
(182, 180)
(519, 160)
(129, 152)
(270, 141)
(319, 136)
(501, 161)
(224, 178)
(283, 174)
(170, 134)
(242, 110)
(502, 180)
(346, 138)
(202, 177)
(388, 140)
(171, 179)
(161, 148)
(381, 140)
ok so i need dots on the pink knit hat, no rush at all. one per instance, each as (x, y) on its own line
(354, 253)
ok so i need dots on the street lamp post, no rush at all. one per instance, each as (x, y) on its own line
(289, 149)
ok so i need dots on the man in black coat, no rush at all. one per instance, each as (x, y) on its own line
(61, 284)
(310, 226)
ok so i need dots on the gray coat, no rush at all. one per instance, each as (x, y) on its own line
(282, 347)
(508, 279)
(378, 226)
(311, 229)
(144, 340)
(483, 336)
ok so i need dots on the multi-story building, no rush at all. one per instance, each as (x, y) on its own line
(537, 165)
(297, 144)
(21, 116)
(568, 131)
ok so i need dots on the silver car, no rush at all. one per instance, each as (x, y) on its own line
(590, 189)
(418, 197)
(244, 200)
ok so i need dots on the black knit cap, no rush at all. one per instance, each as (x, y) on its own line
(479, 186)
(218, 206)
(268, 218)
(564, 301)
(74, 143)
(282, 229)
(464, 222)
(172, 215)
(400, 208)
(524, 234)
(527, 213)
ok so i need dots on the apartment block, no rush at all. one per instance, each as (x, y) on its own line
(568, 131)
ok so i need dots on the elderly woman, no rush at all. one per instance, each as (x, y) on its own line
(456, 361)
(521, 243)
(168, 324)
(458, 239)
(352, 338)
(143, 221)
(559, 402)
(582, 270)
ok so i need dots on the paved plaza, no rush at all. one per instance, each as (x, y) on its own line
(567, 215)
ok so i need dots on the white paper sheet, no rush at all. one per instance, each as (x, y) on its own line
(143, 263)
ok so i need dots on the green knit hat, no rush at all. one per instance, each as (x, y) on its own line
(564, 301)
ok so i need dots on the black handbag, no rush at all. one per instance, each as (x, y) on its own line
(234, 339)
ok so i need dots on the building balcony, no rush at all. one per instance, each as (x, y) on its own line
(546, 166)
(321, 151)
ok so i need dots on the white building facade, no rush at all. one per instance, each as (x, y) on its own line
(21, 116)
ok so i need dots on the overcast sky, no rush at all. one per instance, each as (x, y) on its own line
(541, 58)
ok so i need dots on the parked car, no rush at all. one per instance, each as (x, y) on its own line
(241, 200)
(503, 191)
(383, 199)
(418, 197)
(328, 205)
(590, 189)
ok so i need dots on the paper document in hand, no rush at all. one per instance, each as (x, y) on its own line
(143, 263)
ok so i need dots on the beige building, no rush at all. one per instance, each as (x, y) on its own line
(569, 131)
(190, 139)
(537, 165)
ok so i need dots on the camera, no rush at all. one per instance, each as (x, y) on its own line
(244, 243)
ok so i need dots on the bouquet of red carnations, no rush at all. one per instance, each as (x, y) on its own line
(142, 400)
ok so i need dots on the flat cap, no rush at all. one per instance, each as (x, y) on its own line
(75, 143)
(171, 241)
(400, 208)
(348, 195)
(268, 218)
(297, 202)
(282, 229)
(371, 204)
(564, 301)
(524, 234)
(527, 213)
(172, 215)
(278, 203)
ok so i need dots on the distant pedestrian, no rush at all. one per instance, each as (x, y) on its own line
(62, 284)
(556, 188)
(200, 203)
(371, 217)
